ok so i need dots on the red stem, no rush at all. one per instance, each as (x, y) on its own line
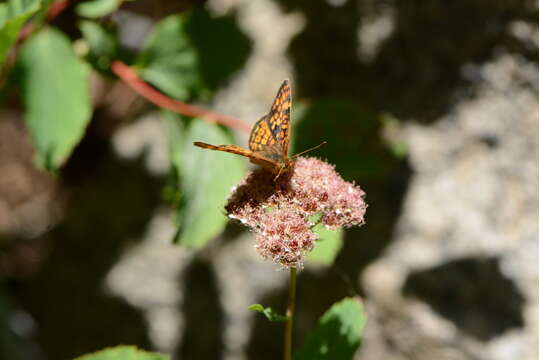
(130, 77)
(56, 8)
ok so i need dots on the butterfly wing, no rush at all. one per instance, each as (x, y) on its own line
(261, 136)
(253, 156)
(279, 116)
(271, 134)
(269, 139)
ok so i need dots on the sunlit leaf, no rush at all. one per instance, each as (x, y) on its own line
(123, 353)
(206, 178)
(13, 15)
(169, 60)
(338, 334)
(97, 8)
(327, 246)
(56, 94)
(268, 312)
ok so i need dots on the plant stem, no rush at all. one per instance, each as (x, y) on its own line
(290, 312)
(131, 78)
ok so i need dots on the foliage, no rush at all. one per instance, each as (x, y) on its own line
(268, 312)
(327, 246)
(98, 8)
(13, 15)
(169, 60)
(205, 178)
(103, 47)
(338, 334)
(56, 94)
(123, 353)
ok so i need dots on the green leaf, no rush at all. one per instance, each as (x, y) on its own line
(327, 246)
(338, 334)
(175, 128)
(102, 43)
(270, 314)
(206, 178)
(185, 57)
(169, 60)
(13, 15)
(56, 94)
(123, 353)
(208, 34)
(97, 8)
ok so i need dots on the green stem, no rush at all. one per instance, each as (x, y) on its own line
(290, 312)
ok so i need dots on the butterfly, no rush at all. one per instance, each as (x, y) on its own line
(270, 137)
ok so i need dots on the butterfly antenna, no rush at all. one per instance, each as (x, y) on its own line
(311, 149)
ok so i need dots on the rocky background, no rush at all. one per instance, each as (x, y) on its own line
(431, 106)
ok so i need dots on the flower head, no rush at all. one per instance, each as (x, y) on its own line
(281, 213)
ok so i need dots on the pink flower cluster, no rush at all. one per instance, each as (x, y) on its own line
(282, 213)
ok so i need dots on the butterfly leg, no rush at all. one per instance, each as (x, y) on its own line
(278, 174)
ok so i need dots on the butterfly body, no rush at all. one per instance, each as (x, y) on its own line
(269, 139)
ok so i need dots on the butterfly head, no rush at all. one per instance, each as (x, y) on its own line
(284, 167)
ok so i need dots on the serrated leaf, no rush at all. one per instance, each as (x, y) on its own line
(338, 334)
(327, 246)
(97, 8)
(268, 312)
(206, 178)
(13, 15)
(102, 43)
(169, 60)
(123, 353)
(56, 95)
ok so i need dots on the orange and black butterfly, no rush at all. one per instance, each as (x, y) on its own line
(270, 137)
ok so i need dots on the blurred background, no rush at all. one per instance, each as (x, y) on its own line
(431, 106)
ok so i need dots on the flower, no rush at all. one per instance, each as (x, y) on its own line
(282, 213)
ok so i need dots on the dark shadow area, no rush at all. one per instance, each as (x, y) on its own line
(472, 293)
(203, 336)
(352, 132)
(324, 53)
(317, 292)
(266, 338)
(363, 245)
(109, 204)
(417, 70)
(233, 231)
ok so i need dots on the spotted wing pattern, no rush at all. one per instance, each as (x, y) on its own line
(268, 142)
(271, 134)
